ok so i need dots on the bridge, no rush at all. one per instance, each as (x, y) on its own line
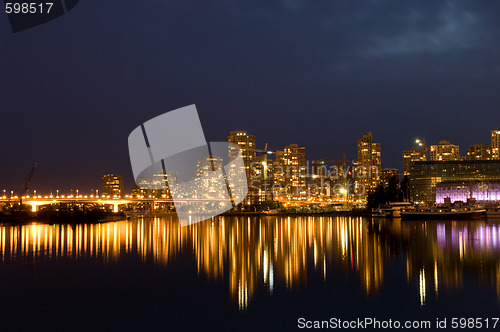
(39, 200)
(35, 201)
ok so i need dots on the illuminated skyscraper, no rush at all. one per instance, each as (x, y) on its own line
(205, 177)
(495, 144)
(412, 155)
(294, 160)
(445, 151)
(247, 145)
(290, 171)
(369, 160)
(112, 185)
(479, 152)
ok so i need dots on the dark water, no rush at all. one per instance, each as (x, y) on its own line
(243, 273)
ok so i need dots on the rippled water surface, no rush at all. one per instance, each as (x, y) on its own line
(245, 273)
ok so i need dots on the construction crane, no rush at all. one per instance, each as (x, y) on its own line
(24, 188)
(421, 143)
(337, 162)
(265, 161)
(265, 150)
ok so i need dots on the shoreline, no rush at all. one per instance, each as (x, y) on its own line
(29, 217)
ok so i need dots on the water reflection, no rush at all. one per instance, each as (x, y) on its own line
(265, 253)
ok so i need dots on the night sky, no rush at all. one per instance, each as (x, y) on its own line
(316, 73)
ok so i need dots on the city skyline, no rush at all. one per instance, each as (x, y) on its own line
(415, 154)
(281, 164)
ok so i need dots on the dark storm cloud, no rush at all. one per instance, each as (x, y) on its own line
(316, 73)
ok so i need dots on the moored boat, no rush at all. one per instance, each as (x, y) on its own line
(493, 212)
(392, 210)
(381, 213)
(442, 213)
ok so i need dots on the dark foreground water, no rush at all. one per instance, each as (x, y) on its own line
(241, 273)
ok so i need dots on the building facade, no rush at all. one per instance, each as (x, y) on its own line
(387, 173)
(247, 145)
(463, 191)
(410, 156)
(369, 161)
(495, 144)
(289, 172)
(425, 176)
(112, 185)
(445, 151)
(479, 152)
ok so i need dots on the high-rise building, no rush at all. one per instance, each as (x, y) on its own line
(112, 185)
(278, 174)
(247, 145)
(290, 171)
(155, 185)
(206, 179)
(370, 162)
(410, 156)
(479, 152)
(261, 181)
(295, 156)
(445, 151)
(495, 144)
(387, 173)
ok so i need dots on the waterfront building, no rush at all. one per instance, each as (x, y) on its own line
(481, 192)
(247, 145)
(369, 161)
(479, 152)
(278, 174)
(207, 182)
(425, 176)
(154, 186)
(445, 151)
(410, 156)
(261, 180)
(112, 185)
(387, 173)
(495, 144)
(290, 171)
(320, 180)
(136, 192)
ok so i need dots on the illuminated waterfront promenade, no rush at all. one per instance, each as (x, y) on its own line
(269, 253)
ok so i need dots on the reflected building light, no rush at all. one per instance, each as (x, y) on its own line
(422, 290)
(271, 278)
(498, 282)
(315, 254)
(324, 267)
(265, 270)
(278, 253)
(460, 245)
(242, 296)
(436, 279)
